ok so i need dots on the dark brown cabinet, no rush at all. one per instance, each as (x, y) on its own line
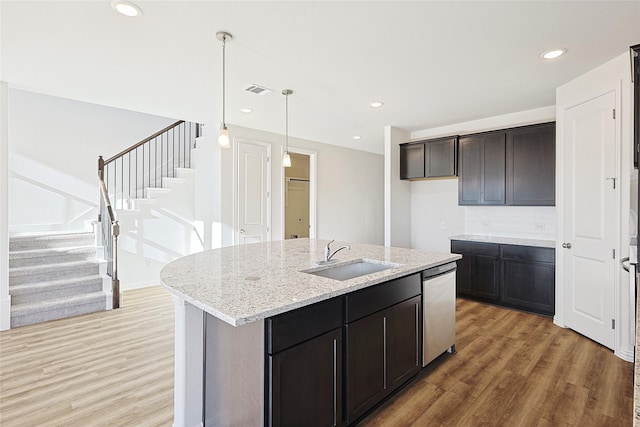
(436, 158)
(306, 383)
(304, 366)
(478, 274)
(528, 278)
(412, 161)
(513, 167)
(531, 166)
(482, 169)
(383, 339)
(516, 276)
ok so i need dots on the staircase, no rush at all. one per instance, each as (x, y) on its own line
(52, 276)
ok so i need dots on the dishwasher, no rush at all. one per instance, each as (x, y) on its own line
(439, 311)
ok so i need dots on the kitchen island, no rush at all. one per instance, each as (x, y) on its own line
(228, 301)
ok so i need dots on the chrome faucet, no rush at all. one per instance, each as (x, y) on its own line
(327, 251)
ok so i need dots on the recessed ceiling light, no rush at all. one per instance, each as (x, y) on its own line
(553, 54)
(357, 137)
(126, 8)
(376, 104)
(247, 110)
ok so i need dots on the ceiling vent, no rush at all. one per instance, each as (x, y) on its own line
(257, 89)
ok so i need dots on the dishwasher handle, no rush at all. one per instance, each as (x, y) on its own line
(438, 271)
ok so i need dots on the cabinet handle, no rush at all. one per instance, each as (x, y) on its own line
(566, 245)
(384, 344)
(417, 334)
(335, 382)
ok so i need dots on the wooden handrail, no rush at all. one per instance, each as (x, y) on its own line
(144, 141)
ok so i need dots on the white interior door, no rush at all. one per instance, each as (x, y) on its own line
(589, 218)
(253, 219)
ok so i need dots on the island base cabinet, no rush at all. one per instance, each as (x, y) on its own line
(306, 383)
(383, 352)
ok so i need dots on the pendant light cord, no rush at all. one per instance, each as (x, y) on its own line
(224, 45)
(286, 128)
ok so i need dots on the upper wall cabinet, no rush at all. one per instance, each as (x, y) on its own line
(531, 165)
(435, 158)
(482, 169)
(514, 167)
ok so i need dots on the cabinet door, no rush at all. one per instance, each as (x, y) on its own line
(531, 165)
(441, 158)
(464, 275)
(470, 169)
(411, 161)
(403, 342)
(528, 278)
(482, 169)
(485, 284)
(306, 383)
(365, 365)
(494, 169)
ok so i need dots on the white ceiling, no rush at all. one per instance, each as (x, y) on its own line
(431, 63)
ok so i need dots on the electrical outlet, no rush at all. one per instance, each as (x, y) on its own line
(443, 226)
(539, 226)
(485, 224)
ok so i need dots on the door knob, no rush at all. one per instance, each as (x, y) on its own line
(566, 245)
(242, 231)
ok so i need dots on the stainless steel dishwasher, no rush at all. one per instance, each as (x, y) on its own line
(439, 311)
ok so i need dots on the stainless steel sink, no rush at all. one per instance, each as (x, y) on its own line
(350, 270)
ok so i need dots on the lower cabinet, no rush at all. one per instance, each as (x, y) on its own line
(303, 366)
(328, 364)
(478, 274)
(383, 351)
(521, 277)
(306, 383)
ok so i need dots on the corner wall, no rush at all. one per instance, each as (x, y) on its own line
(54, 144)
(5, 298)
(397, 193)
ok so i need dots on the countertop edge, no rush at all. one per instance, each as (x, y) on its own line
(254, 317)
(517, 241)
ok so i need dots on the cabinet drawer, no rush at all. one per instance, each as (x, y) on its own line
(528, 253)
(367, 301)
(474, 248)
(289, 329)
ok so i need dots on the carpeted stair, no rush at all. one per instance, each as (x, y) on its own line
(52, 276)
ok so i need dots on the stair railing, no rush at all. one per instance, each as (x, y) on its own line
(143, 165)
(109, 232)
(126, 175)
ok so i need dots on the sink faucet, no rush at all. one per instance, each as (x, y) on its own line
(327, 251)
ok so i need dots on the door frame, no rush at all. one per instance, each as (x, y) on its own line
(609, 77)
(313, 190)
(236, 186)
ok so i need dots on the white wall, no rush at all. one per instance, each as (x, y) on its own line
(5, 298)
(397, 192)
(436, 201)
(349, 187)
(54, 145)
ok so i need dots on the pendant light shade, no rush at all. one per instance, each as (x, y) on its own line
(286, 158)
(223, 137)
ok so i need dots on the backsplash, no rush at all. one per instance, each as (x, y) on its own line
(512, 221)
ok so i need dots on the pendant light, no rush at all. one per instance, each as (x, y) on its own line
(223, 136)
(286, 158)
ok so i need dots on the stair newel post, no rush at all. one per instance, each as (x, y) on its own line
(100, 179)
(115, 281)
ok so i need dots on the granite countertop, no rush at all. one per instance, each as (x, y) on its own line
(246, 283)
(505, 240)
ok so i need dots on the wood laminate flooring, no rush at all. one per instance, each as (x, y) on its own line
(116, 369)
